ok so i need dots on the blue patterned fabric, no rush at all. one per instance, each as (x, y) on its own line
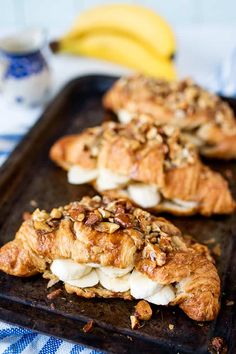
(16, 340)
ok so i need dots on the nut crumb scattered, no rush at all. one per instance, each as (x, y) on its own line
(135, 324)
(52, 306)
(33, 203)
(26, 215)
(229, 303)
(88, 327)
(217, 346)
(171, 327)
(143, 310)
(217, 250)
(211, 240)
(54, 294)
(130, 338)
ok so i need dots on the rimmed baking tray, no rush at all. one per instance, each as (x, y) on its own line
(30, 179)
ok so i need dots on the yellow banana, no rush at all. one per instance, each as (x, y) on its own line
(134, 21)
(121, 50)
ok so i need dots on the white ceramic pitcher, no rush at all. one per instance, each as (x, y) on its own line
(24, 72)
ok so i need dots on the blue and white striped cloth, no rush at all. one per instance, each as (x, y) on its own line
(15, 122)
(15, 340)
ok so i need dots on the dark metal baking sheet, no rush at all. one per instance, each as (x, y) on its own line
(29, 175)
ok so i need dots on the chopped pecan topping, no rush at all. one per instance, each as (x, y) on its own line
(77, 214)
(183, 98)
(123, 220)
(93, 218)
(40, 215)
(105, 213)
(56, 213)
(42, 226)
(106, 226)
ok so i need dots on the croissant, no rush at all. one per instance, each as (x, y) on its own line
(204, 119)
(146, 163)
(109, 248)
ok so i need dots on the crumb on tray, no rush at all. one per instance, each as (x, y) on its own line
(88, 326)
(33, 203)
(54, 294)
(217, 250)
(229, 303)
(217, 346)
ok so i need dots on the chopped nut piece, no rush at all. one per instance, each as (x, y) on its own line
(26, 216)
(217, 346)
(105, 213)
(54, 294)
(152, 133)
(123, 220)
(169, 130)
(42, 226)
(52, 306)
(211, 240)
(77, 214)
(171, 327)
(143, 310)
(40, 215)
(56, 213)
(134, 322)
(80, 217)
(108, 227)
(229, 303)
(93, 218)
(33, 203)
(88, 327)
(97, 198)
(217, 250)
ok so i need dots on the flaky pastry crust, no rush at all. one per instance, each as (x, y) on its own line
(204, 119)
(150, 154)
(84, 232)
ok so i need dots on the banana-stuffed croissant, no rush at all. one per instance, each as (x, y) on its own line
(204, 119)
(146, 163)
(111, 249)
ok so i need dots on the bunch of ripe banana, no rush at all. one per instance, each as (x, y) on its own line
(130, 35)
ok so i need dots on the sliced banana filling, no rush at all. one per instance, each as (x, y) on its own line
(113, 279)
(79, 175)
(143, 194)
(181, 205)
(110, 180)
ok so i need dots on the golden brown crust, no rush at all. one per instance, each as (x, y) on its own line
(152, 245)
(71, 151)
(89, 293)
(207, 119)
(156, 155)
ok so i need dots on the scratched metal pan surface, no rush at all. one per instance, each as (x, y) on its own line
(29, 176)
